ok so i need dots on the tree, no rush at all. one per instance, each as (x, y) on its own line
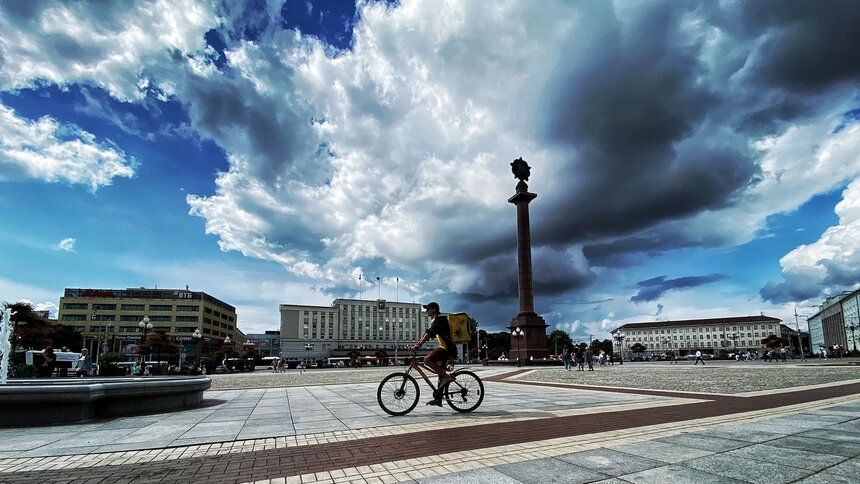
(638, 348)
(65, 336)
(605, 346)
(774, 341)
(557, 340)
(32, 331)
(497, 343)
(160, 344)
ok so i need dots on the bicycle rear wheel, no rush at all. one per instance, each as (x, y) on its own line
(398, 394)
(465, 392)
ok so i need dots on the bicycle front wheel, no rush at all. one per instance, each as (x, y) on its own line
(398, 394)
(465, 392)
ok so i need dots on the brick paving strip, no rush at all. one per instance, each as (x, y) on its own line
(375, 453)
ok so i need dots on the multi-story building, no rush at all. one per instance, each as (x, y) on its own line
(266, 344)
(733, 334)
(108, 319)
(350, 325)
(837, 322)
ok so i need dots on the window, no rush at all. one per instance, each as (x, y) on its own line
(133, 307)
(160, 318)
(159, 307)
(185, 329)
(131, 317)
(74, 306)
(74, 317)
(186, 319)
(106, 307)
(192, 309)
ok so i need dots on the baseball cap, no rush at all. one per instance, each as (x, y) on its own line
(433, 305)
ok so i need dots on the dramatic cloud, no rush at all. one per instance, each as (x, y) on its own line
(650, 127)
(651, 289)
(832, 261)
(50, 151)
(67, 244)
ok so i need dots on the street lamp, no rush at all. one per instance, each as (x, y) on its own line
(518, 334)
(484, 347)
(734, 337)
(95, 318)
(665, 342)
(308, 348)
(145, 326)
(619, 338)
(197, 337)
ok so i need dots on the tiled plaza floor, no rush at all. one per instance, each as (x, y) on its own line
(563, 430)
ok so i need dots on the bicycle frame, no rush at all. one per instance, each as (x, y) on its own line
(420, 367)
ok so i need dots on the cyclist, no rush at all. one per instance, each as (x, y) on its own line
(437, 360)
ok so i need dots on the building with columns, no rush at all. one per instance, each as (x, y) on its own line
(837, 322)
(350, 325)
(734, 334)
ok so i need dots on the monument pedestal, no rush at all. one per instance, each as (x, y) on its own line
(533, 343)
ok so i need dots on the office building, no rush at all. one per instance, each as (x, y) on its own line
(108, 319)
(350, 325)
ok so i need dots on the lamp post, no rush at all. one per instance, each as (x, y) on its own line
(518, 334)
(197, 337)
(308, 348)
(145, 326)
(665, 342)
(734, 337)
(800, 338)
(484, 347)
(95, 318)
(619, 338)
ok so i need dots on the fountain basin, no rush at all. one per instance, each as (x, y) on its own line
(46, 402)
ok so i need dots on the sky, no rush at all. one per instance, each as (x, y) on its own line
(692, 159)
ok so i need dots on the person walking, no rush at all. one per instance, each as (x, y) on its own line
(565, 356)
(84, 366)
(589, 358)
(674, 359)
(580, 359)
(699, 358)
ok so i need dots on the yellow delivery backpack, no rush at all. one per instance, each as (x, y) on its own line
(459, 323)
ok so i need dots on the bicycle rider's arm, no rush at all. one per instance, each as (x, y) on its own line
(420, 342)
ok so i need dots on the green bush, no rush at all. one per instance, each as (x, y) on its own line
(109, 359)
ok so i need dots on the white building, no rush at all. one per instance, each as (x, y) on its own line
(350, 324)
(707, 335)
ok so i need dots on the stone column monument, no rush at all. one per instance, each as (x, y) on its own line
(533, 342)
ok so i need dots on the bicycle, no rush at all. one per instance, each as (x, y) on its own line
(398, 393)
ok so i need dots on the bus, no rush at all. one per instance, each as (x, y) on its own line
(267, 363)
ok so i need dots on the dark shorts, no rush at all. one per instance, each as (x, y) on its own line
(439, 355)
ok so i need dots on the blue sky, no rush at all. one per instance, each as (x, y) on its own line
(691, 159)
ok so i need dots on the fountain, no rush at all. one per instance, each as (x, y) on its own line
(5, 345)
(47, 401)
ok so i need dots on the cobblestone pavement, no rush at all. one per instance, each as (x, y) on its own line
(555, 430)
(708, 379)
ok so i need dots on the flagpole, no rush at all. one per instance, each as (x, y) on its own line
(359, 287)
(397, 298)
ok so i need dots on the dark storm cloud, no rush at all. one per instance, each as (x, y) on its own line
(626, 113)
(810, 46)
(553, 273)
(263, 129)
(651, 289)
(798, 287)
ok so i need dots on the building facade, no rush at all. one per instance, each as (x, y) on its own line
(108, 319)
(734, 334)
(350, 325)
(266, 344)
(837, 322)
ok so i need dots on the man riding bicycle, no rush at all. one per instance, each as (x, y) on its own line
(437, 360)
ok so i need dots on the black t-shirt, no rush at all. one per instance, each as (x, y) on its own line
(441, 330)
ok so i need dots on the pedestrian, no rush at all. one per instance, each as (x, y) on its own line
(50, 363)
(589, 358)
(699, 358)
(674, 359)
(565, 356)
(580, 359)
(84, 366)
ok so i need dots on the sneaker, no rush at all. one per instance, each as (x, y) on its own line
(434, 402)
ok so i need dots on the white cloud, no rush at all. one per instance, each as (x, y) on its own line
(67, 244)
(47, 150)
(111, 45)
(832, 262)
